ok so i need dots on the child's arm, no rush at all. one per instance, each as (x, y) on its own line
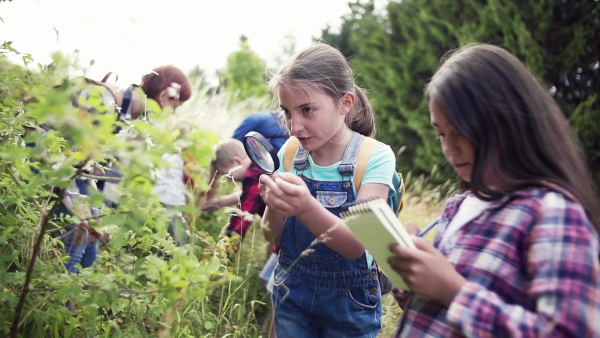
(560, 274)
(288, 194)
(223, 201)
(272, 225)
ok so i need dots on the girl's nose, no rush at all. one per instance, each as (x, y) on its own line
(451, 148)
(296, 125)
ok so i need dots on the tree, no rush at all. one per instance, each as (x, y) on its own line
(395, 54)
(244, 74)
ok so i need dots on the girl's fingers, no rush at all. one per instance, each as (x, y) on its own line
(289, 189)
(404, 253)
(400, 267)
(412, 228)
(424, 245)
(291, 178)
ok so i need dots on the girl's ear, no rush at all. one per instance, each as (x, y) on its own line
(347, 102)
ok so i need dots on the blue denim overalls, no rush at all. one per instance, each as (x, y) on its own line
(80, 249)
(317, 292)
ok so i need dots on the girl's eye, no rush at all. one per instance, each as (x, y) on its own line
(286, 112)
(307, 110)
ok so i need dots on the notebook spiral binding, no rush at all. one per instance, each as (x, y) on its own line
(357, 206)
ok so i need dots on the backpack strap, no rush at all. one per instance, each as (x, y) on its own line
(362, 158)
(126, 104)
(291, 147)
(105, 78)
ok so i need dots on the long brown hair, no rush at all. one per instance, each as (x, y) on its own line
(518, 131)
(325, 68)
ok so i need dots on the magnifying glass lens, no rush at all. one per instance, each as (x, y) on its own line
(261, 152)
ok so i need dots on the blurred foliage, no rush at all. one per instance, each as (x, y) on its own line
(244, 74)
(142, 284)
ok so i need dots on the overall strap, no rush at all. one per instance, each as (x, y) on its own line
(294, 153)
(301, 159)
(347, 165)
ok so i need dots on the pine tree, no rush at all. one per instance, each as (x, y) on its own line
(395, 54)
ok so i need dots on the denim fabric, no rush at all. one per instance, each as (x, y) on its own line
(318, 292)
(80, 249)
(77, 244)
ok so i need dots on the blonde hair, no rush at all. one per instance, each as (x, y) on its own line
(226, 150)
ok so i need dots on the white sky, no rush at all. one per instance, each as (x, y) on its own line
(130, 37)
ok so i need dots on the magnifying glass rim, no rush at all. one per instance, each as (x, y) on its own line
(268, 146)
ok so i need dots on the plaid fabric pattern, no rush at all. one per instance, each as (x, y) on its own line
(531, 264)
(250, 202)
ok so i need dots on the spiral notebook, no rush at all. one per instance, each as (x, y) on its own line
(376, 226)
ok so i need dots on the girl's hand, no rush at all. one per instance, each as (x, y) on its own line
(412, 228)
(286, 194)
(427, 271)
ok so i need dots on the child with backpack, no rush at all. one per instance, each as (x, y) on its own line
(325, 283)
(516, 253)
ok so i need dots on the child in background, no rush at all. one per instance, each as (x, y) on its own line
(165, 88)
(231, 159)
(170, 87)
(272, 126)
(325, 288)
(516, 254)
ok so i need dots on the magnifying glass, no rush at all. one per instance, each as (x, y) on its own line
(261, 152)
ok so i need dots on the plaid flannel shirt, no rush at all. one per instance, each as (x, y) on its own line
(250, 201)
(531, 264)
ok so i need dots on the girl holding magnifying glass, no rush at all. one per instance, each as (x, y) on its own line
(325, 283)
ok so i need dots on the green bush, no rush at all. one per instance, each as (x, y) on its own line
(131, 290)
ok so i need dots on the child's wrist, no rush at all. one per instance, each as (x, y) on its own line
(310, 208)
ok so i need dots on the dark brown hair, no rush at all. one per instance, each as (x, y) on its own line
(325, 68)
(518, 131)
(161, 78)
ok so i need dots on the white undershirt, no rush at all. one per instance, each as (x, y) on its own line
(170, 184)
(470, 208)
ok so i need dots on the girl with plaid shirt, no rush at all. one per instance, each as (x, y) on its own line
(516, 254)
